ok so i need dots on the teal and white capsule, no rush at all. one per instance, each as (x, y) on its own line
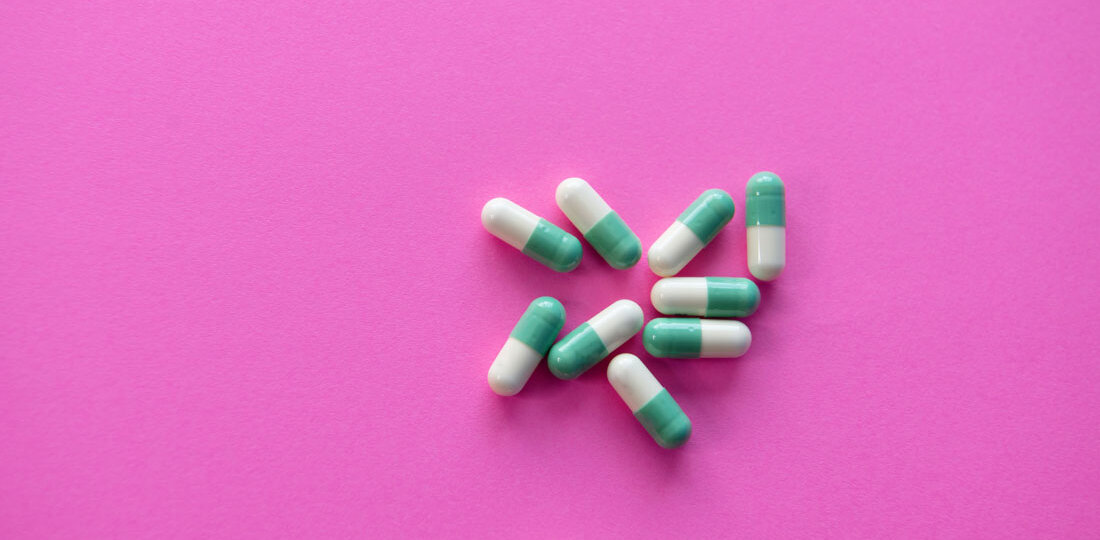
(691, 232)
(696, 338)
(534, 236)
(526, 345)
(651, 404)
(592, 341)
(766, 225)
(598, 223)
(706, 296)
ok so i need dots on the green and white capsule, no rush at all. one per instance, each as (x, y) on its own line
(526, 345)
(691, 232)
(651, 404)
(696, 338)
(598, 223)
(592, 341)
(706, 296)
(766, 225)
(534, 236)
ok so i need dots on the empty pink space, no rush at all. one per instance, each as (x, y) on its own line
(244, 290)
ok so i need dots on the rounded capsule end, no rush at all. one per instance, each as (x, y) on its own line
(675, 433)
(569, 254)
(764, 271)
(719, 201)
(665, 421)
(563, 363)
(662, 264)
(754, 303)
(764, 183)
(626, 254)
(651, 339)
(503, 385)
(569, 188)
(637, 316)
(657, 296)
(492, 211)
(731, 297)
(619, 368)
(549, 307)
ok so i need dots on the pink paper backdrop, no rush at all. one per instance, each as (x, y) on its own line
(244, 290)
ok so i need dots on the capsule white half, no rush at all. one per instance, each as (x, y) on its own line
(617, 323)
(581, 204)
(651, 404)
(509, 221)
(512, 367)
(676, 247)
(680, 296)
(767, 246)
(724, 339)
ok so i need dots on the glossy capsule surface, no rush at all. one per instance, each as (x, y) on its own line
(593, 340)
(766, 225)
(534, 236)
(526, 345)
(598, 223)
(706, 296)
(696, 338)
(691, 232)
(651, 404)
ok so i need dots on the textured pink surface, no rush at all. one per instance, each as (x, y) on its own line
(244, 290)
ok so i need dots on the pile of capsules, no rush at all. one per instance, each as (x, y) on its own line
(715, 298)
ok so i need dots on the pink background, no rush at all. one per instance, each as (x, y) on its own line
(244, 290)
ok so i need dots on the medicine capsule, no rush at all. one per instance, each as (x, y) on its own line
(766, 223)
(696, 338)
(706, 297)
(534, 236)
(526, 345)
(592, 341)
(691, 232)
(651, 404)
(598, 223)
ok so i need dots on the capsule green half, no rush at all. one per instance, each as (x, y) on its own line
(665, 421)
(540, 324)
(765, 200)
(553, 247)
(673, 338)
(731, 297)
(615, 242)
(578, 351)
(708, 214)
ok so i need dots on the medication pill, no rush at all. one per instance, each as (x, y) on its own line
(651, 404)
(691, 232)
(534, 236)
(696, 338)
(766, 225)
(592, 341)
(598, 223)
(526, 345)
(706, 297)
